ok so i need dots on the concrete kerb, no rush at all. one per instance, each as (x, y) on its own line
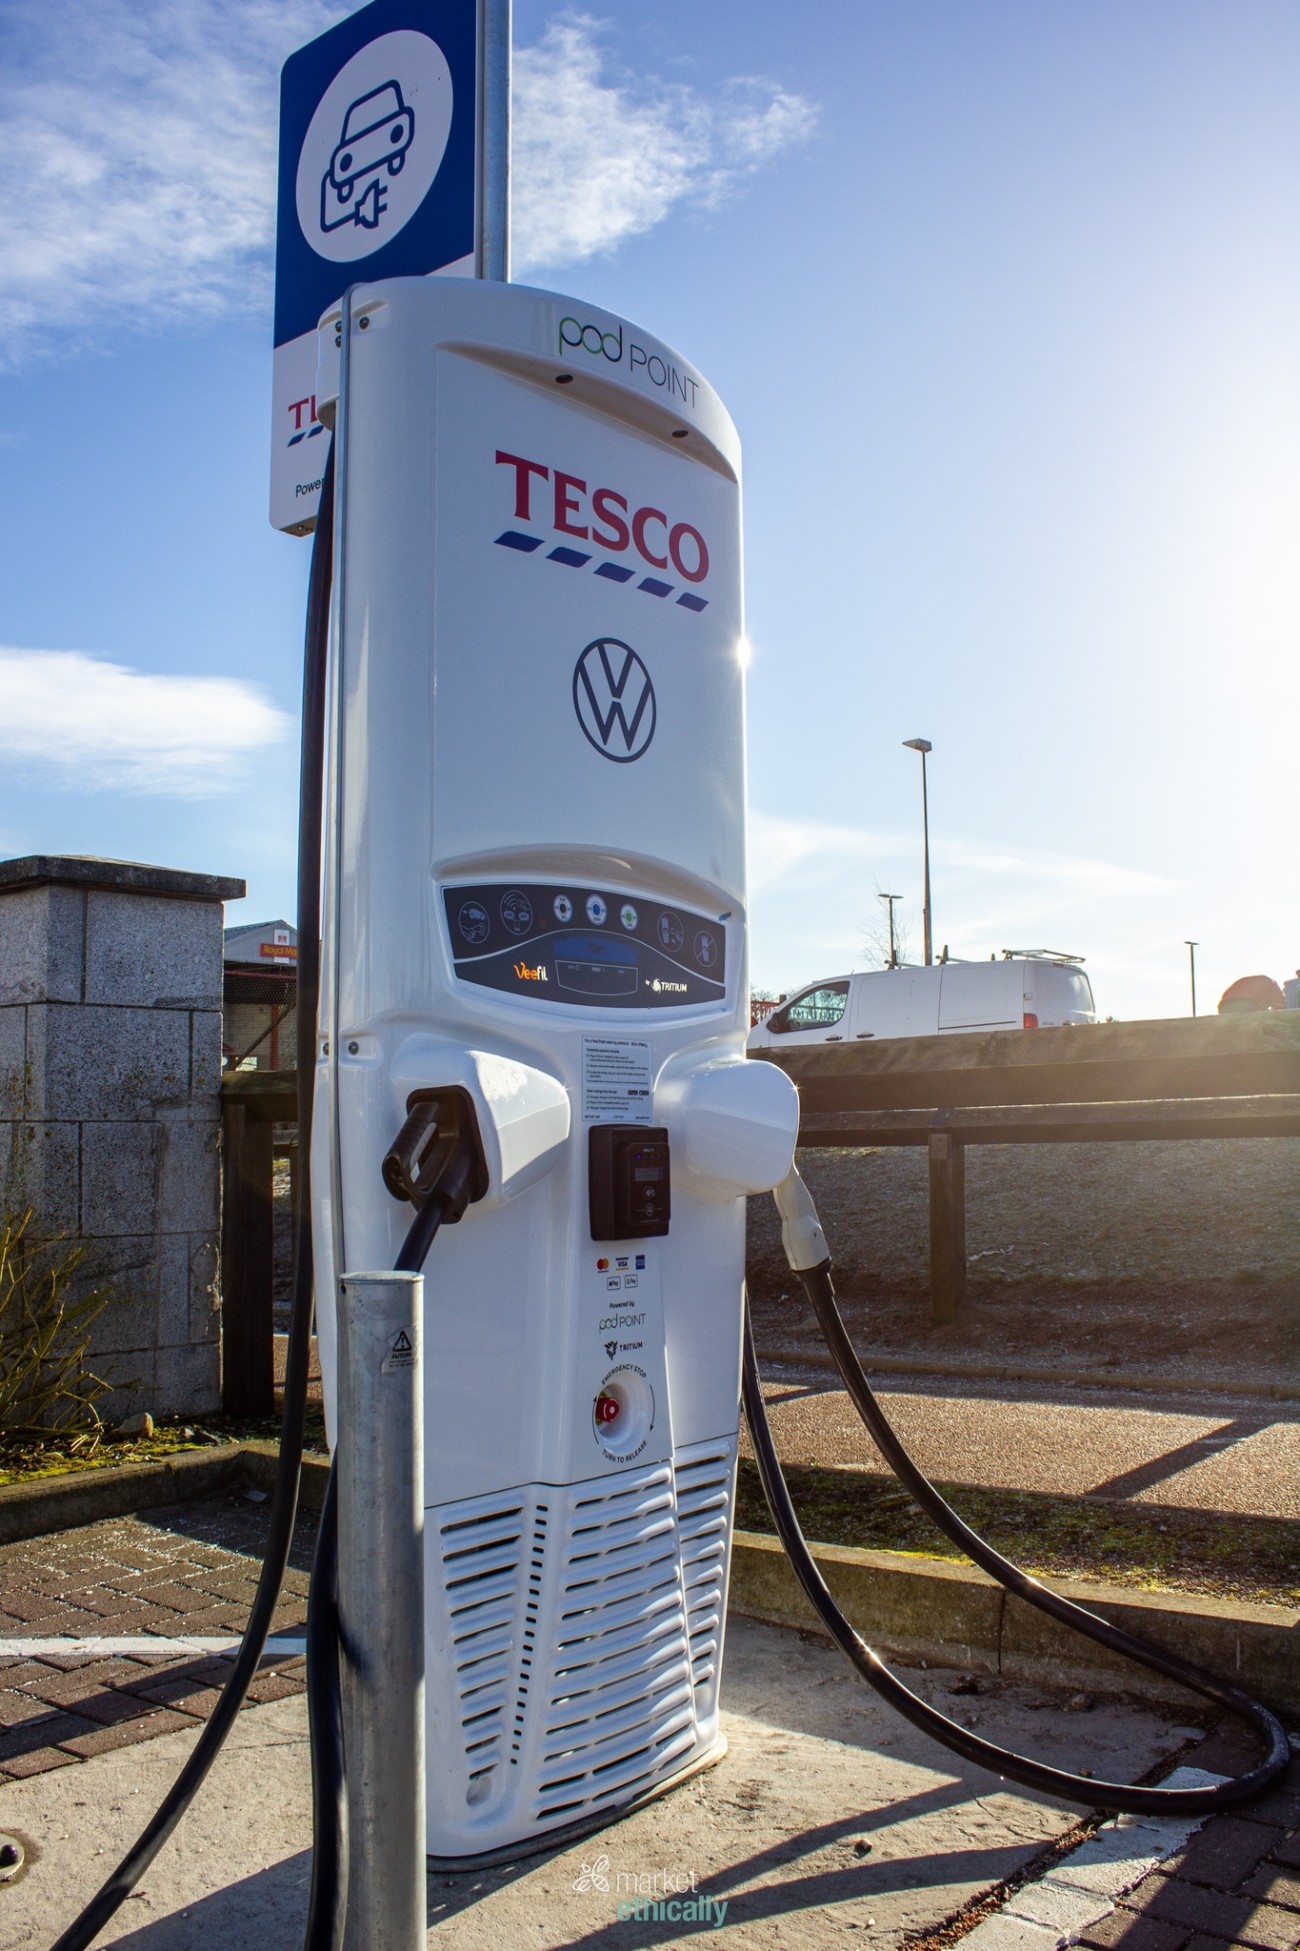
(910, 1607)
(32, 1510)
(926, 1369)
(953, 1614)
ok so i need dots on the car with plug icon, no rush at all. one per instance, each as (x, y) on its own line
(377, 132)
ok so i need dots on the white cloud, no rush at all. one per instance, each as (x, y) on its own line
(96, 725)
(138, 140)
(783, 851)
(1074, 870)
(599, 158)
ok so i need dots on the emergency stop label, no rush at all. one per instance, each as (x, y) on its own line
(615, 1080)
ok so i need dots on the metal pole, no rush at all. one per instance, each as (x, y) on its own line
(925, 828)
(923, 746)
(380, 1465)
(329, 1014)
(494, 145)
(1191, 952)
(889, 900)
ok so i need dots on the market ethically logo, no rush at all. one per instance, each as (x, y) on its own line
(614, 700)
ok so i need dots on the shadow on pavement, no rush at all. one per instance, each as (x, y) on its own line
(266, 1909)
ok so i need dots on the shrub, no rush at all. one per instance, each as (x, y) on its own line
(46, 1317)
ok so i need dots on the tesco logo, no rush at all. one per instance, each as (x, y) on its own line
(606, 518)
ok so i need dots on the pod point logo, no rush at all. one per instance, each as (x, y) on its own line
(614, 700)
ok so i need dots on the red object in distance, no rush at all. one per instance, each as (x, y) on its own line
(1249, 993)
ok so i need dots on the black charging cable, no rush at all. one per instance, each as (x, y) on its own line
(87, 1925)
(327, 1902)
(1081, 1789)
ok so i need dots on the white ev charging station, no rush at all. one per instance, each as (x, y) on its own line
(534, 897)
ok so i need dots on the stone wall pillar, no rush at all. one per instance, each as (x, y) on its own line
(110, 1114)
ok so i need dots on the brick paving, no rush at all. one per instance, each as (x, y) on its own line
(1235, 1881)
(188, 1569)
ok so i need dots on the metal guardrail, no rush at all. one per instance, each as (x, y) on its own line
(947, 1131)
(1174, 1077)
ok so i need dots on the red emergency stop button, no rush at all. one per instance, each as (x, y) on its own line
(607, 1409)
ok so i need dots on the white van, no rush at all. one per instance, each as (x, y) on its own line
(1026, 990)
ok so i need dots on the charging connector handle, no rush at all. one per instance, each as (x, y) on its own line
(801, 1230)
(436, 1164)
(413, 1162)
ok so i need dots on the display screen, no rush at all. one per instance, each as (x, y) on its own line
(584, 945)
(648, 1174)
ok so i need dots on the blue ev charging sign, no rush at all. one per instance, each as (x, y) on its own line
(378, 167)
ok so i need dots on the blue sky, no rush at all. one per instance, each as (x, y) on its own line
(1005, 300)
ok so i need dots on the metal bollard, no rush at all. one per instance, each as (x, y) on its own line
(381, 1605)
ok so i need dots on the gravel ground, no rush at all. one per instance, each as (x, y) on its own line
(1180, 1259)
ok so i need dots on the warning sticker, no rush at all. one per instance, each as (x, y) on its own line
(615, 1080)
(400, 1355)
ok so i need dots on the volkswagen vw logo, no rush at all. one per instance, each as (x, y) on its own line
(614, 700)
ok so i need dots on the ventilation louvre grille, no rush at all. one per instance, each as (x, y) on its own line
(704, 1501)
(585, 1629)
(618, 1702)
(482, 1548)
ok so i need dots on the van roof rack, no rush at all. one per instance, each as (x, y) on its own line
(1041, 955)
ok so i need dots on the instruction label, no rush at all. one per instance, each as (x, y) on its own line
(615, 1080)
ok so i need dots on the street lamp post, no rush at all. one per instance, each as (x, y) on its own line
(889, 900)
(923, 745)
(1191, 956)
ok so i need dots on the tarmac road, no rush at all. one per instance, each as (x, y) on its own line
(1229, 1455)
(1226, 1454)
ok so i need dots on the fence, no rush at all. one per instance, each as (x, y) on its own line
(1206, 1077)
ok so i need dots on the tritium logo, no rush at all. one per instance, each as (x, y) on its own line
(614, 700)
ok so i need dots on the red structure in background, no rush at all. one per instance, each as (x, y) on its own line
(260, 996)
(1249, 993)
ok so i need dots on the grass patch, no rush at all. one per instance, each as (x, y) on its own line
(60, 1453)
(1152, 1548)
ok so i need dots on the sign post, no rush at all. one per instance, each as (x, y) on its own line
(394, 162)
